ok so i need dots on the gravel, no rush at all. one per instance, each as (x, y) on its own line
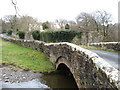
(9, 75)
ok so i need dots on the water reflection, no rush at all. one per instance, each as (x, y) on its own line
(63, 78)
(59, 81)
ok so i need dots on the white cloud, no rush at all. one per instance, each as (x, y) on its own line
(55, 9)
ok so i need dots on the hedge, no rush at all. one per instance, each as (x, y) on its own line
(36, 35)
(9, 32)
(58, 36)
(21, 34)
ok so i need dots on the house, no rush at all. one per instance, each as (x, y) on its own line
(33, 27)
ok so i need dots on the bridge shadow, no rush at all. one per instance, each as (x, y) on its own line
(62, 69)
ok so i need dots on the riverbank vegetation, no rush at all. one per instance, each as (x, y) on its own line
(25, 58)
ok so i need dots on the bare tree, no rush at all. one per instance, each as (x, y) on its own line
(62, 23)
(14, 3)
(22, 23)
(73, 25)
(86, 22)
(11, 20)
(25, 21)
(113, 32)
(104, 19)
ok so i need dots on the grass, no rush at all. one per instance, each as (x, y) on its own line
(25, 58)
(99, 48)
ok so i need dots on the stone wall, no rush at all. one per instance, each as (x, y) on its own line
(108, 45)
(88, 69)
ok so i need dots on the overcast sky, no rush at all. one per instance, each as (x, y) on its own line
(59, 9)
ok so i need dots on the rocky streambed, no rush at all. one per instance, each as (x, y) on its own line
(18, 78)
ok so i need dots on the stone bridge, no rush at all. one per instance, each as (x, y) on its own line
(88, 69)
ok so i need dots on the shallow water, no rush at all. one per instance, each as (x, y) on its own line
(35, 83)
(59, 81)
(46, 81)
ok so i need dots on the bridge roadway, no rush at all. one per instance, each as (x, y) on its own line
(111, 57)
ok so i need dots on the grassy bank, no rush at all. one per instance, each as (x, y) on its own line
(99, 48)
(25, 58)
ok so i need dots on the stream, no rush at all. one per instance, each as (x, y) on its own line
(44, 82)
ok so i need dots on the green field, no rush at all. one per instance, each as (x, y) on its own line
(25, 58)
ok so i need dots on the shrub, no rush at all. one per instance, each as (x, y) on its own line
(45, 25)
(58, 36)
(3, 31)
(67, 26)
(9, 32)
(36, 35)
(21, 34)
(17, 30)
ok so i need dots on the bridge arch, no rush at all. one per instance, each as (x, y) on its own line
(64, 70)
(63, 63)
(62, 59)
